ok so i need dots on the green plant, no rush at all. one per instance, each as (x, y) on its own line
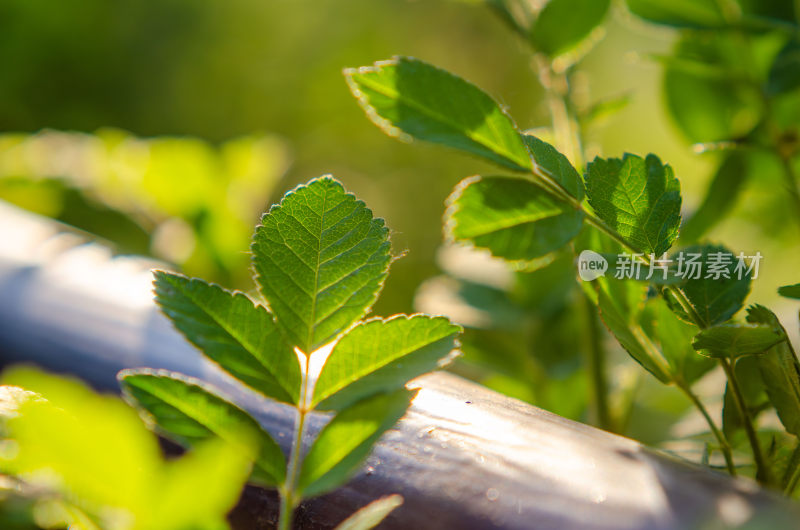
(320, 260)
(628, 207)
(80, 460)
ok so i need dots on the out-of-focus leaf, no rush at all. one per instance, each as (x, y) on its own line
(675, 341)
(372, 514)
(188, 413)
(408, 98)
(382, 355)
(95, 453)
(513, 218)
(603, 109)
(679, 13)
(321, 260)
(710, 108)
(780, 371)
(347, 440)
(233, 331)
(713, 300)
(753, 391)
(784, 76)
(639, 198)
(734, 340)
(790, 291)
(562, 24)
(555, 164)
(727, 183)
(631, 337)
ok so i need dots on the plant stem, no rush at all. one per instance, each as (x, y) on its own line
(792, 475)
(289, 498)
(597, 369)
(763, 474)
(723, 442)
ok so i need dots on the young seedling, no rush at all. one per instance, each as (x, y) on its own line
(319, 261)
(630, 205)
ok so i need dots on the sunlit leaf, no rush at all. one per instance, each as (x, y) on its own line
(382, 355)
(408, 98)
(372, 514)
(188, 413)
(233, 331)
(346, 441)
(93, 453)
(639, 198)
(513, 218)
(735, 340)
(321, 260)
(562, 24)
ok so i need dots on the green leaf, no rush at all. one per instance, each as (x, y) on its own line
(674, 338)
(631, 337)
(321, 260)
(231, 330)
(562, 24)
(790, 291)
(735, 340)
(784, 76)
(382, 355)
(186, 411)
(347, 440)
(679, 13)
(408, 98)
(780, 371)
(94, 453)
(513, 218)
(639, 198)
(705, 91)
(555, 164)
(372, 514)
(725, 187)
(713, 300)
(753, 392)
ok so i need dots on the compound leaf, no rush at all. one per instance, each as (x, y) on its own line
(346, 441)
(409, 98)
(780, 371)
(382, 355)
(320, 260)
(232, 331)
(513, 218)
(734, 340)
(562, 24)
(639, 198)
(184, 410)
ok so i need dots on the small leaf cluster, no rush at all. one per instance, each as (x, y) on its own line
(319, 259)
